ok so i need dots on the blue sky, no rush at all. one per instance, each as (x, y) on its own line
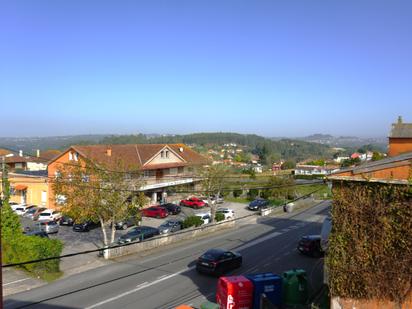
(274, 68)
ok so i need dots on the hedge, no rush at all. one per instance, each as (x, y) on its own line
(192, 221)
(22, 248)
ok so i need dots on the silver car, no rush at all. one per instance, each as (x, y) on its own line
(170, 226)
(49, 227)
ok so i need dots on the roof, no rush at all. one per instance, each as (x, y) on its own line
(401, 130)
(4, 152)
(23, 159)
(390, 162)
(136, 156)
(47, 155)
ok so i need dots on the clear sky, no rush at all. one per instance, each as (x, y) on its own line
(274, 68)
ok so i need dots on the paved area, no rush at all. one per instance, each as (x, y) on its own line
(166, 277)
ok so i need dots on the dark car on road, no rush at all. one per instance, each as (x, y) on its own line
(170, 226)
(258, 204)
(138, 233)
(310, 245)
(172, 209)
(218, 261)
(126, 223)
(85, 226)
(66, 220)
(155, 212)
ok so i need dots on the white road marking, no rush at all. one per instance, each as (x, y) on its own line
(16, 281)
(142, 284)
(163, 278)
(139, 288)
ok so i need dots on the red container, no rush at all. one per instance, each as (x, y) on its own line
(235, 292)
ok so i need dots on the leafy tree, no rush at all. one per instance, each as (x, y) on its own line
(377, 156)
(350, 162)
(213, 181)
(287, 165)
(99, 192)
(10, 223)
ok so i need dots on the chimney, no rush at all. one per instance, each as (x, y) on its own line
(20, 153)
(109, 151)
(38, 153)
(399, 119)
(181, 149)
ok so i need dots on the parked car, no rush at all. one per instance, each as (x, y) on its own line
(310, 245)
(49, 226)
(138, 233)
(50, 214)
(193, 202)
(35, 215)
(170, 226)
(20, 210)
(66, 220)
(227, 212)
(39, 233)
(124, 224)
(217, 198)
(259, 203)
(155, 212)
(85, 226)
(218, 261)
(172, 209)
(15, 205)
(205, 216)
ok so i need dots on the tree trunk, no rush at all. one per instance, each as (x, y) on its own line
(105, 243)
(212, 209)
(113, 231)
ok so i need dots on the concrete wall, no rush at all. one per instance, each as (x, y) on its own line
(168, 239)
(341, 303)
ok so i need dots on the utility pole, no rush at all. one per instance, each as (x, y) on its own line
(3, 193)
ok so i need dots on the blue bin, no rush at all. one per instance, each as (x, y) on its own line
(267, 283)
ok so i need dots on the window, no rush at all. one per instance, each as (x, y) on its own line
(57, 174)
(76, 156)
(167, 154)
(85, 178)
(180, 170)
(162, 154)
(70, 156)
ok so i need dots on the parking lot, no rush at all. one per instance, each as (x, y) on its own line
(82, 241)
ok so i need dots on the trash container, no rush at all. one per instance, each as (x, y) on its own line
(209, 305)
(234, 292)
(268, 284)
(295, 287)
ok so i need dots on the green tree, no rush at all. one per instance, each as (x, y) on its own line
(213, 181)
(377, 156)
(99, 192)
(289, 164)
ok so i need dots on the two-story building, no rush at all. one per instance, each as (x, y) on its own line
(161, 166)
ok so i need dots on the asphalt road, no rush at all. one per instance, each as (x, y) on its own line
(166, 277)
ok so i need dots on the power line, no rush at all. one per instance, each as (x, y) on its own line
(135, 242)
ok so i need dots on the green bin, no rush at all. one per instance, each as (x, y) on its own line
(209, 305)
(295, 287)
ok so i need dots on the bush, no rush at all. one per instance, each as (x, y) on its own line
(237, 193)
(219, 217)
(252, 194)
(192, 221)
(22, 248)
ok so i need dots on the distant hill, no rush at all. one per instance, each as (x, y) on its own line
(264, 147)
(31, 144)
(269, 150)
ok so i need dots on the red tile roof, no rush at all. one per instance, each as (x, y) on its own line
(135, 156)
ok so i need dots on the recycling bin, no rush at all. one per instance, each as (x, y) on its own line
(234, 292)
(295, 287)
(268, 284)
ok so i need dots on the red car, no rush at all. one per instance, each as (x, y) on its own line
(155, 211)
(193, 202)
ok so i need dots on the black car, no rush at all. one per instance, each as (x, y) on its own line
(310, 245)
(258, 204)
(172, 209)
(66, 220)
(124, 224)
(138, 233)
(41, 234)
(85, 226)
(218, 261)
